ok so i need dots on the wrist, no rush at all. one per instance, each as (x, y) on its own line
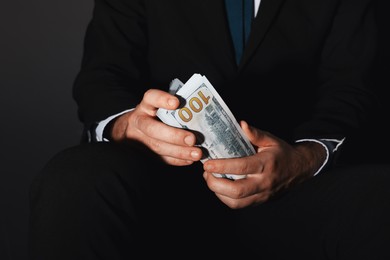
(116, 129)
(313, 155)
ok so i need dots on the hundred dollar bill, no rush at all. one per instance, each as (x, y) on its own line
(205, 113)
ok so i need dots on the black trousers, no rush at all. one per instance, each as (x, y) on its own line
(111, 201)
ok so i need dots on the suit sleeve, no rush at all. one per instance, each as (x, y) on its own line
(345, 96)
(113, 71)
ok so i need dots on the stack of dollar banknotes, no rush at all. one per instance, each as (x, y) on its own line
(204, 112)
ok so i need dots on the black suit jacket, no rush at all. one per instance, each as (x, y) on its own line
(304, 74)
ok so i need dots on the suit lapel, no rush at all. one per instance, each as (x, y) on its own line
(214, 26)
(267, 12)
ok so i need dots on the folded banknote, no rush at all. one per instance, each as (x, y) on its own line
(204, 112)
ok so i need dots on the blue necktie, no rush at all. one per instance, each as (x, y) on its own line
(239, 14)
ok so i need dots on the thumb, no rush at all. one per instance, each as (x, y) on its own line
(256, 136)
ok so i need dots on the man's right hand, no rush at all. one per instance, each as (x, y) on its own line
(175, 146)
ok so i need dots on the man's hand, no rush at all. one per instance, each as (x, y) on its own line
(276, 166)
(175, 146)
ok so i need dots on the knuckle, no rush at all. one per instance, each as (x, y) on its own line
(244, 167)
(148, 93)
(235, 205)
(137, 121)
(237, 192)
(155, 146)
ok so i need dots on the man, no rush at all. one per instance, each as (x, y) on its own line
(300, 88)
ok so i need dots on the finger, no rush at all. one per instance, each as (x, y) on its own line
(166, 140)
(176, 162)
(236, 189)
(239, 166)
(243, 202)
(157, 130)
(174, 151)
(252, 133)
(258, 137)
(155, 98)
(237, 194)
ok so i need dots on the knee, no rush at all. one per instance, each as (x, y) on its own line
(76, 172)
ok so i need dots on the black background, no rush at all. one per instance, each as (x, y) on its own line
(40, 53)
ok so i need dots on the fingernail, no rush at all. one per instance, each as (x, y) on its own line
(172, 102)
(195, 154)
(208, 167)
(189, 140)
